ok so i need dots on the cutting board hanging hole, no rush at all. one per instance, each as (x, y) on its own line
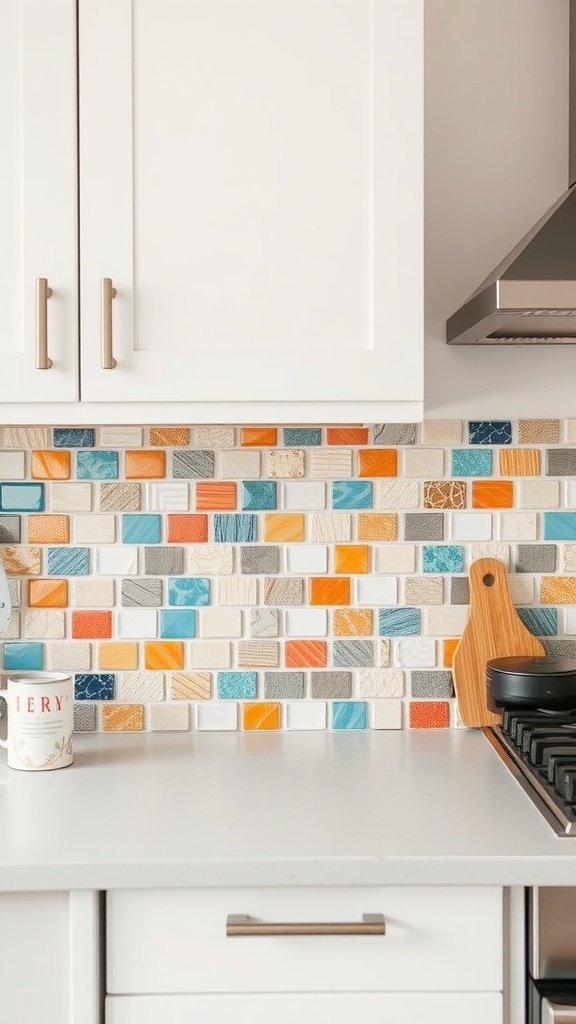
(488, 580)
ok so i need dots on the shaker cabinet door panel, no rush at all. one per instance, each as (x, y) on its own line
(251, 183)
(38, 220)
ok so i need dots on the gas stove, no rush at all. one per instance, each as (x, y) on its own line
(539, 748)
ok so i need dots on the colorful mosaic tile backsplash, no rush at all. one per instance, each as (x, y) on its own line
(221, 578)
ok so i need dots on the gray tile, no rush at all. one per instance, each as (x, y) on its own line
(395, 433)
(561, 462)
(259, 558)
(423, 526)
(196, 463)
(431, 684)
(141, 593)
(119, 497)
(264, 622)
(10, 529)
(535, 558)
(85, 718)
(559, 647)
(331, 684)
(164, 561)
(283, 685)
(352, 652)
(459, 590)
(284, 590)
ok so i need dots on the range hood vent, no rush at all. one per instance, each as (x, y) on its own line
(530, 298)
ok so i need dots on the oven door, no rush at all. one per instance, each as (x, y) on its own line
(551, 1002)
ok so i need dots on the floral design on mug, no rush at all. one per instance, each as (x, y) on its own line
(62, 749)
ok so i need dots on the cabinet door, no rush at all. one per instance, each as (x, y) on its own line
(251, 182)
(38, 230)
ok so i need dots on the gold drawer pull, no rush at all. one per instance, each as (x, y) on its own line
(107, 294)
(242, 924)
(43, 293)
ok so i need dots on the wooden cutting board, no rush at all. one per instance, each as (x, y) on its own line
(493, 630)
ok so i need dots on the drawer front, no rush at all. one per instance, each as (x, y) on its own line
(437, 939)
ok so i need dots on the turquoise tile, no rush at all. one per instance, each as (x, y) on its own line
(490, 432)
(398, 621)
(141, 529)
(94, 686)
(235, 527)
(559, 525)
(23, 657)
(348, 714)
(66, 561)
(351, 494)
(259, 494)
(236, 685)
(540, 621)
(72, 437)
(302, 437)
(22, 497)
(177, 624)
(188, 590)
(471, 463)
(97, 465)
(442, 558)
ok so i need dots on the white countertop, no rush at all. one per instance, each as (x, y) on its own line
(238, 809)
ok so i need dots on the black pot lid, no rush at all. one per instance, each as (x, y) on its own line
(531, 667)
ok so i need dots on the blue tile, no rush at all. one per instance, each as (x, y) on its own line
(22, 497)
(471, 463)
(398, 621)
(540, 621)
(70, 437)
(302, 437)
(24, 657)
(176, 624)
(97, 465)
(442, 558)
(94, 686)
(351, 494)
(141, 529)
(235, 527)
(259, 494)
(559, 525)
(348, 714)
(490, 432)
(66, 561)
(236, 685)
(188, 590)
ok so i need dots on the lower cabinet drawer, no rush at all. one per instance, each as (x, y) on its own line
(399, 1008)
(174, 941)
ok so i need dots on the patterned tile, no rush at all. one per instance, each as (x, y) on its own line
(85, 718)
(70, 437)
(50, 465)
(328, 463)
(490, 432)
(67, 561)
(395, 433)
(398, 621)
(492, 494)
(141, 686)
(330, 527)
(211, 559)
(306, 653)
(440, 558)
(561, 461)
(446, 432)
(301, 437)
(97, 465)
(535, 558)
(91, 625)
(263, 715)
(419, 653)
(351, 494)
(348, 714)
(377, 462)
(23, 561)
(258, 654)
(424, 526)
(192, 463)
(94, 686)
(374, 682)
(347, 435)
(429, 715)
(163, 561)
(519, 461)
(465, 462)
(376, 526)
(352, 653)
(169, 437)
(538, 431)
(284, 527)
(141, 593)
(213, 437)
(144, 464)
(143, 528)
(284, 685)
(401, 494)
(236, 685)
(331, 685)
(264, 623)
(238, 590)
(10, 529)
(167, 496)
(259, 494)
(431, 684)
(259, 558)
(122, 717)
(191, 685)
(444, 494)
(559, 526)
(353, 621)
(44, 624)
(188, 590)
(235, 528)
(424, 590)
(186, 529)
(119, 497)
(163, 654)
(26, 437)
(329, 590)
(259, 437)
(540, 621)
(70, 656)
(558, 590)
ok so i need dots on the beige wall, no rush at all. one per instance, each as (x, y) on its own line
(496, 159)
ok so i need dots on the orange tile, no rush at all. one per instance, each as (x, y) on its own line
(50, 465)
(448, 648)
(142, 464)
(492, 494)
(347, 435)
(121, 655)
(378, 462)
(49, 529)
(350, 558)
(329, 590)
(91, 625)
(377, 526)
(122, 717)
(164, 654)
(220, 495)
(47, 593)
(186, 529)
(519, 461)
(430, 714)
(558, 590)
(305, 653)
(284, 526)
(170, 437)
(262, 715)
(353, 622)
(258, 436)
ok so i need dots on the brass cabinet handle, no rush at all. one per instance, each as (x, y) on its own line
(107, 293)
(242, 924)
(43, 293)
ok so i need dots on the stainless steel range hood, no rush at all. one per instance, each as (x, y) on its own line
(530, 298)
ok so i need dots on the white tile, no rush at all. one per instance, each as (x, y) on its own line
(376, 590)
(445, 620)
(521, 588)
(378, 682)
(93, 593)
(385, 714)
(424, 462)
(74, 497)
(210, 654)
(120, 560)
(518, 526)
(303, 495)
(492, 550)
(331, 526)
(213, 437)
(415, 652)
(307, 558)
(220, 622)
(305, 715)
(446, 432)
(238, 590)
(210, 559)
(136, 623)
(264, 622)
(394, 558)
(12, 466)
(70, 656)
(168, 496)
(303, 622)
(239, 465)
(331, 463)
(471, 526)
(94, 529)
(169, 717)
(396, 494)
(570, 621)
(570, 494)
(45, 624)
(120, 437)
(539, 494)
(141, 686)
(217, 717)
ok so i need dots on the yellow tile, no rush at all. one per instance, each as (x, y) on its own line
(377, 526)
(262, 715)
(284, 526)
(164, 654)
(48, 529)
(353, 622)
(122, 717)
(519, 462)
(120, 655)
(558, 590)
(351, 558)
(50, 465)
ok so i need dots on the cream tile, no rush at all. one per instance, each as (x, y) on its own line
(569, 621)
(120, 497)
(400, 494)
(570, 494)
(330, 526)
(27, 437)
(168, 496)
(445, 620)
(539, 494)
(285, 463)
(12, 630)
(213, 437)
(376, 590)
(415, 652)
(470, 526)
(307, 559)
(12, 466)
(384, 652)
(210, 559)
(44, 624)
(385, 714)
(73, 497)
(305, 715)
(399, 558)
(304, 622)
(94, 529)
(92, 593)
(121, 437)
(217, 717)
(191, 686)
(377, 682)
(521, 588)
(15, 589)
(210, 654)
(136, 624)
(494, 550)
(570, 431)
(423, 462)
(264, 623)
(140, 686)
(21, 560)
(446, 432)
(72, 656)
(120, 560)
(239, 465)
(168, 717)
(220, 622)
(569, 557)
(304, 495)
(258, 654)
(423, 590)
(238, 591)
(518, 526)
(331, 463)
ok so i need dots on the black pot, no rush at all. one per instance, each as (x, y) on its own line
(546, 683)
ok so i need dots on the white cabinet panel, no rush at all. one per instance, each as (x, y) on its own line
(34, 957)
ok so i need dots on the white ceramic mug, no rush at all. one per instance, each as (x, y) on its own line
(40, 720)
